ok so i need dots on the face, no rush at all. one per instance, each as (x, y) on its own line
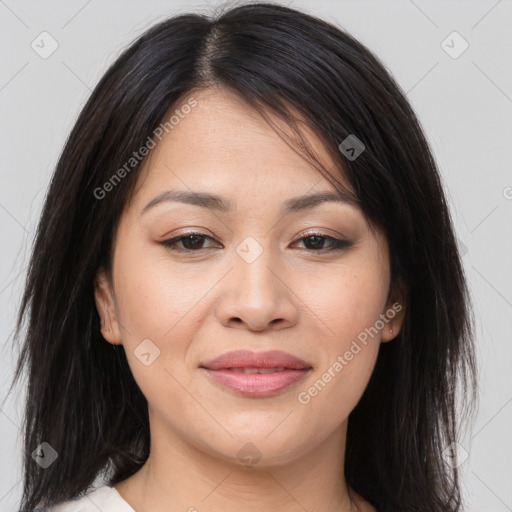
(191, 282)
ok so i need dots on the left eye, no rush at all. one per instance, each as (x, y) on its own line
(316, 240)
(193, 242)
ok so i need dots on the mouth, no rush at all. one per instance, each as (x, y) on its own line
(256, 374)
(256, 370)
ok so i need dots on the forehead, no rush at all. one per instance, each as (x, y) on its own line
(225, 144)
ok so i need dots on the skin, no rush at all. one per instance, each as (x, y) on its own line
(195, 306)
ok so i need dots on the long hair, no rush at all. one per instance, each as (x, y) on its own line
(82, 399)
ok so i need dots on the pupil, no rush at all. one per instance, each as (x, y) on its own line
(317, 240)
(192, 241)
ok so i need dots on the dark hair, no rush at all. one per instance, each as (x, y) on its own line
(82, 398)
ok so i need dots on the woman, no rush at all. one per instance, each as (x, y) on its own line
(245, 288)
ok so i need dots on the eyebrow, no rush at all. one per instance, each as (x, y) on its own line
(217, 203)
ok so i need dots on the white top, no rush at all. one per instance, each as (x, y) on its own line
(105, 498)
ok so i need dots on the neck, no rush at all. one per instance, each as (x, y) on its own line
(178, 476)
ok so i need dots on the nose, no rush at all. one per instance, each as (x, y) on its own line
(256, 296)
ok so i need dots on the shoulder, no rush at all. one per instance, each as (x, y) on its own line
(105, 498)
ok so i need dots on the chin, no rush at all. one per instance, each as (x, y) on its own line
(260, 448)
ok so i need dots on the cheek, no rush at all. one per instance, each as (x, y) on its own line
(153, 296)
(350, 306)
(339, 382)
(351, 303)
(156, 306)
(159, 304)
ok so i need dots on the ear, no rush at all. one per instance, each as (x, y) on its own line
(105, 304)
(394, 312)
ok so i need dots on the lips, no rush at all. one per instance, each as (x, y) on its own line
(257, 370)
(256, 374)
(245, 361)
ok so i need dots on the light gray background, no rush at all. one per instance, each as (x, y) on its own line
(464, 104)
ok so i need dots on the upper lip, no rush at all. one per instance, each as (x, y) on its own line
(249, 359)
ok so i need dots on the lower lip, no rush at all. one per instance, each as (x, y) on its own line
(256, 384)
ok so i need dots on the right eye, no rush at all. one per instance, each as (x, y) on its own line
(190, 242)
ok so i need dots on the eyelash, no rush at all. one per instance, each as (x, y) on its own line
(335, 242)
